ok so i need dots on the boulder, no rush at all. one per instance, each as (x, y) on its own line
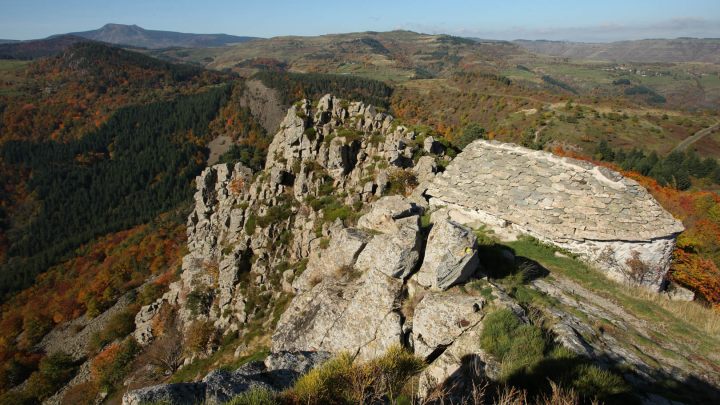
(425, 169)
(396, 253)
(677, 292)
(385, 211)
(357, 315)
(221, 385)
(176, 394)
(432, 146)
(450, 255)
(441, 317)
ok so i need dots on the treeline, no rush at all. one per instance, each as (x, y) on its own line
(651, 95)
(139, 163)
(295, 86)
(674, 170)
(483, 76)
(555, 82)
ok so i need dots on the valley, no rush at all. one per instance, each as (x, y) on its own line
(183, 217)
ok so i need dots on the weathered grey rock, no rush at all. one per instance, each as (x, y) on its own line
(677, 292)
(425, 168)
(298, 362)
(441, 317)
(359, 316)
(277, 372)
(384, 213)
(450, 255)
(221, 386)
(432, 146)
(589, 210)
(342, 156)
(464, 353)
(396, 253)
(382, 180)
(176, 394)
(342, 252)
(143, 322)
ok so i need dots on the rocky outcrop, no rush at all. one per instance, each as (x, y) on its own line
(288, 234)
(589, 210)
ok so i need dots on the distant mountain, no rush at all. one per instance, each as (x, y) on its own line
(8, 41)
(137, 36)
(39, 47)
(646, 50)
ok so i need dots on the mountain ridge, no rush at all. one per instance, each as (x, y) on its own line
(134, 35)
(644, 50)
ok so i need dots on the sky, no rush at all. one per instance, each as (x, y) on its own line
(577, 20)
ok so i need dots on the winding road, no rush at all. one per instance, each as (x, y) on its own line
(695, 137)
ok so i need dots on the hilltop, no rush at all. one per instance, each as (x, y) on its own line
(132, 35)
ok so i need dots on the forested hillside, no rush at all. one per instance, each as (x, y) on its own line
(137, 164)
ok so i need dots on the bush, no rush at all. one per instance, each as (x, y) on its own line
(199, 301)
(323, 384)
(275, 214)
(54, 371)
(340, 381)
(470, 133)
(119, 326)
(250, 224)
(198, 336)
(112, 364)
(591, 380)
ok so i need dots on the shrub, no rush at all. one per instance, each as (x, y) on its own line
(250, 224)
(340, 381)
(593, 381)
(310, 133)
(401, 182)
(275, 214)
(81, 394)
(324, 384)
(198, 301)
(470, 133)
(54, 371)
(112, 364)
(198, 336)
(119, 326)
(526, 350)
(529, 360)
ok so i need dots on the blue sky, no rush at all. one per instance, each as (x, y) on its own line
(600, 20)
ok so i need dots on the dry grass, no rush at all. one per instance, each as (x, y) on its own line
(705, 318)
(408, 306)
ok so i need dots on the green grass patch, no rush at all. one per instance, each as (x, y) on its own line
(530, 360)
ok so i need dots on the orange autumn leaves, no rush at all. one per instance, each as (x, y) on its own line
(91, 282)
